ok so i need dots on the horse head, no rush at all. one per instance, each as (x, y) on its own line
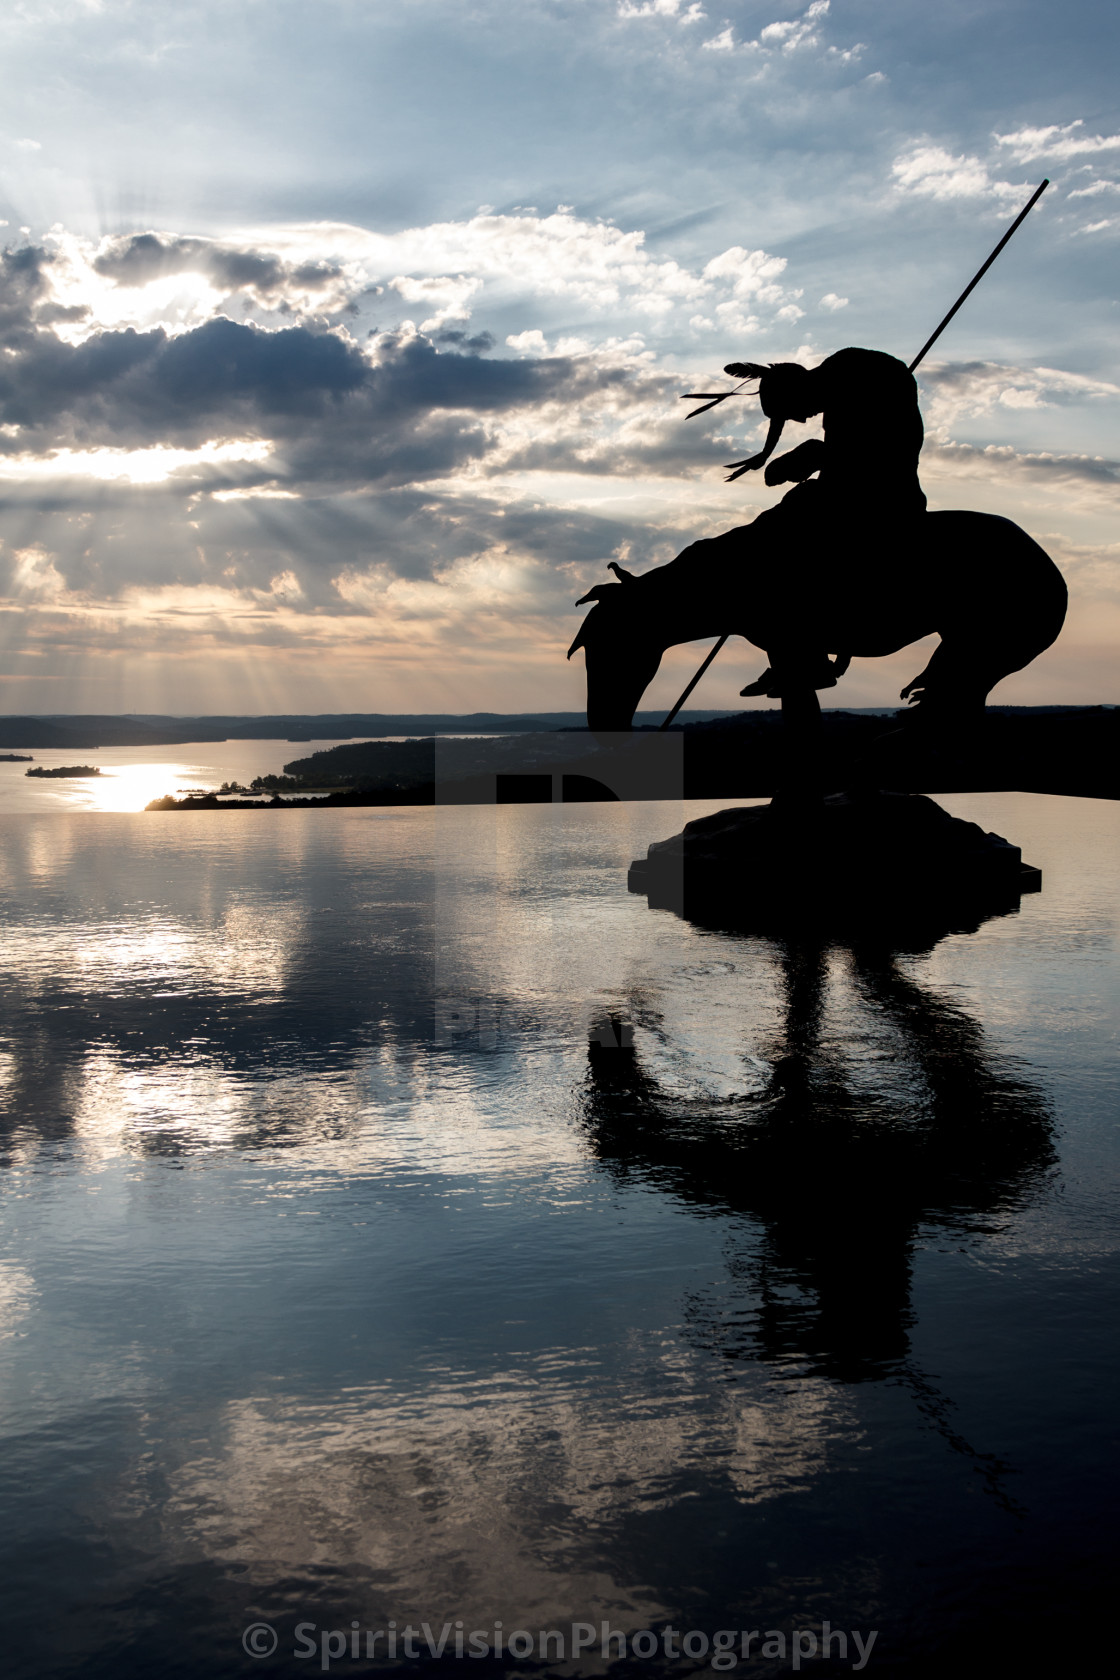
(621, 661)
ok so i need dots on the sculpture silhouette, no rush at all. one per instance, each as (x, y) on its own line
(839, 566)
(840, 1173)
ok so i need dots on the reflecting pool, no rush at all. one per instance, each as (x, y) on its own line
(405, 1227)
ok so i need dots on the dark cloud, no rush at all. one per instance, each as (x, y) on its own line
(404, 407)
(479, 343)
(669, 449)
(107, 538)
(355, 431)
(135, 259)
(407, 409)
(996, 459)
(24, 287)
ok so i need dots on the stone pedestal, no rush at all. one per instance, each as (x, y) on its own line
(849, 859)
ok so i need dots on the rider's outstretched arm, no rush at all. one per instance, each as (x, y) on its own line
(797, 464)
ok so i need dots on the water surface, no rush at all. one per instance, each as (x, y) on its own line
(128, 777)
(352, 1272)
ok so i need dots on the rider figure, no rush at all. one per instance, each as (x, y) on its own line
(834, 531)
(829, 550)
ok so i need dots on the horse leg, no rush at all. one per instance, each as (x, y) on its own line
(945, 725)
(955, 683)
(803, 781)
(1002, 603)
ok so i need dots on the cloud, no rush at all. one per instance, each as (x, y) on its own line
(957, 392)
(1026, 144)
(752, 277)
(395, 570)
(327, 413)
(1092, 569)
(662, 8)
(136, 259)
(33, 572)
(147, 468)
(394, 485)
(290, 484)
(327, 274)
(532, 342)
(999, 460)
(399, 405)
(592, 263)
(185, 461)
(320, 275)
(802, 32)
(131, 466)
(307, 435)
(446, 295)
(775, 41)
(140, 387)
(751, 274)
(497, 262)
(933, 172)
(147, 274)
(1096, 188)
(25, 290)
(785, 36)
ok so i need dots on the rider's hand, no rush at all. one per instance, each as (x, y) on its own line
(738, 370)
(798, 465)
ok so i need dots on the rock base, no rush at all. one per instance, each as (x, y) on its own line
(850, 858)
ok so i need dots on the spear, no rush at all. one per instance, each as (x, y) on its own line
(711, 398)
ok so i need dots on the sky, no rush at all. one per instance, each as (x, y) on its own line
(342, 342)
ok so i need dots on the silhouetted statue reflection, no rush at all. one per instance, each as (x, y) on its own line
(840, 1178)
(849, 562)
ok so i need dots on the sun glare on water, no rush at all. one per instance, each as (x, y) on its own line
(127, 781)
(129, 787)
(119, 787)
(129, 778)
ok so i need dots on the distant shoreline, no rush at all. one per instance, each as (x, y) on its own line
(1074, 752)
(340, 798)
(74, 732)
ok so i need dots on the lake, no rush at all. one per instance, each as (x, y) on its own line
(131, 776)
(412, 1242)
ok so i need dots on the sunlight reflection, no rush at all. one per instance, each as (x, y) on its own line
(17, 1293)
(246, 955)
(360, 1480)
(120, 1100)
(130, 787)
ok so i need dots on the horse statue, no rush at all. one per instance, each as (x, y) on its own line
(991, 593)
(836, 568)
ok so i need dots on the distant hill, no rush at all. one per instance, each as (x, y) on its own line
(149, 729)
(66, 731)
(70, 733)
